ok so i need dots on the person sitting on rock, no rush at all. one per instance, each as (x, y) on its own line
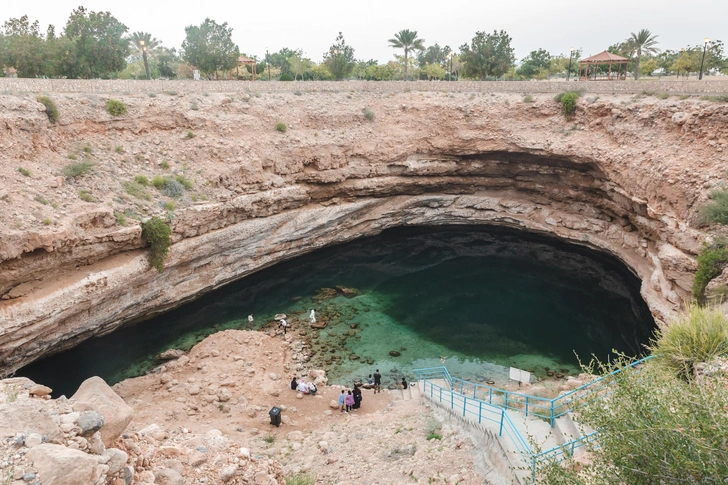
(403, 384)
(312, 389)
(294, 383)
(302, 386)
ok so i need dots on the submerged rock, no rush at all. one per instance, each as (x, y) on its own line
(394, 353)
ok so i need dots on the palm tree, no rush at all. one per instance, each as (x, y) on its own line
(149, 42)
(407, 39)
(643, 42)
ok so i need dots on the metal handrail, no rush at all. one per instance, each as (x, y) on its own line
(544, 408)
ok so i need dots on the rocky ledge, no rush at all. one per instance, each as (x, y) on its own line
(625, 175)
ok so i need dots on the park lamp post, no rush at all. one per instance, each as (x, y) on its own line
(568, 71)
(449, 71)
(705, 48)
(144, 56)
(267, 64)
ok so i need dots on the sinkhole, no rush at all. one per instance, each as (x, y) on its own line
(478, 299)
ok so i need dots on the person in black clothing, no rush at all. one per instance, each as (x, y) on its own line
(377, 382)
(404, 383)
(357, 397)
(294, 383)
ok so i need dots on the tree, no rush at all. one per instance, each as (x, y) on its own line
(99, 46)
(639, 44)
(339, 59)
(536, 62)
(320, 72)
(434, 71)
(407, 40)
(487, 55)
(299, 65)
(210, 47)
(649, 66)
(687, 62)
(167, 62)
(434, 55)
(24, 47)
(150, 42)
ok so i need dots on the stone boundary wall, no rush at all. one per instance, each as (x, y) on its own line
(10, 85)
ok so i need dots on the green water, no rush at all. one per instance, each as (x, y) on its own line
(479, 299)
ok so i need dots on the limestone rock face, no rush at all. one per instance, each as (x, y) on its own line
(116, 413)
(59, 465)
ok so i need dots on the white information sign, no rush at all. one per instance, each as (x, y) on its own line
(519, 375)
(196, 75)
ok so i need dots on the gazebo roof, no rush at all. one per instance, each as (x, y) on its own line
(246, 60)
(605, 57)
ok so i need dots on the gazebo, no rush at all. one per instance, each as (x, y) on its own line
(589, 68)
(245, 61)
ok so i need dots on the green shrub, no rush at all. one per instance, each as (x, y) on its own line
(433, 436)
(722, 98)
(270, 439)
(115, 107)
(171, 93)
(51, 109)
(118, 149)
(135, 189)
(77, 169)
(300, 479)
(141, 180)
(560, 96)
(190, 134)
(86, 196)
(368, 114)
(168, 206)
(172, 188)
(158, 181)
(157, 232)
(120, 218)
(663, 95)
(164, 164)
(186, 183)
(41, 199)
(47, 221)
(88, 149)
(281, 126)
(711, 261)
(286, 77)
(699, 334)
(528, 99)
(24, 171)
(568, 104)
(717, 210)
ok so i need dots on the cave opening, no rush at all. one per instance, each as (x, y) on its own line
(478, 298)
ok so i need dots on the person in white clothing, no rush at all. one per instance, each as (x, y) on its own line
(313, 316)
(284, 325)
(250, 321)
(302, 386)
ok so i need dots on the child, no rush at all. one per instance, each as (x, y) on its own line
(349, 401)
(342, 398)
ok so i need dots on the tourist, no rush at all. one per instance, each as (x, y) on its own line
(302, 386)
(312, 389)
(377, 382)
(357, 397)
(250, 322)
(370, 381)
(294, 383)
(313, 316)
(342, 398)
(349, 401)
(283, 325)
(403, 385)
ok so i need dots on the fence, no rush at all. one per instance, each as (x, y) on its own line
(549, 409)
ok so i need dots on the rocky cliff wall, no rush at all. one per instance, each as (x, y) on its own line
(626, 175)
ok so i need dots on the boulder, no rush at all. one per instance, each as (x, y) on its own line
(90, 422)
(59, 465)
(28, 416)
(117, 459)
(39, 390)
(117, 414)
(167, 476)
(227, 473)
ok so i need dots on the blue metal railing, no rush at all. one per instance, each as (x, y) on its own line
(490, 403)
(549, 409)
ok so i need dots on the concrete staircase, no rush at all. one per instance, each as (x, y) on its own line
(412, 392)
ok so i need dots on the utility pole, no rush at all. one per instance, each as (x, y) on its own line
(568, 71)
(705, 48)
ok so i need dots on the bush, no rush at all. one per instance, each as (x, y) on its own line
(528, 99)
(300, 479)
(141, 180)
(368, 114)
(115, 107)
(157, 232)
(24, 171)
(51, 109)
(560, 96)
(77, 169)
(120, 218)
(698, 335)
(86, 196)
(187, 184)
(433, 436)
(722, 98)
(169, 186)
(281, 126)
(568, 104)
(711, 260)
(135, 189)
(164, 165)
(190, 134)
(286, 77)
(717, 210)
(168, 206)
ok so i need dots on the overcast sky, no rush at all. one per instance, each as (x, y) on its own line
(312, 25)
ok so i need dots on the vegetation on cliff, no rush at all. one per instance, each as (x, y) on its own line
(665, 422)
(51, 109)
(711, 261)
(157, 232)
(716, 211)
